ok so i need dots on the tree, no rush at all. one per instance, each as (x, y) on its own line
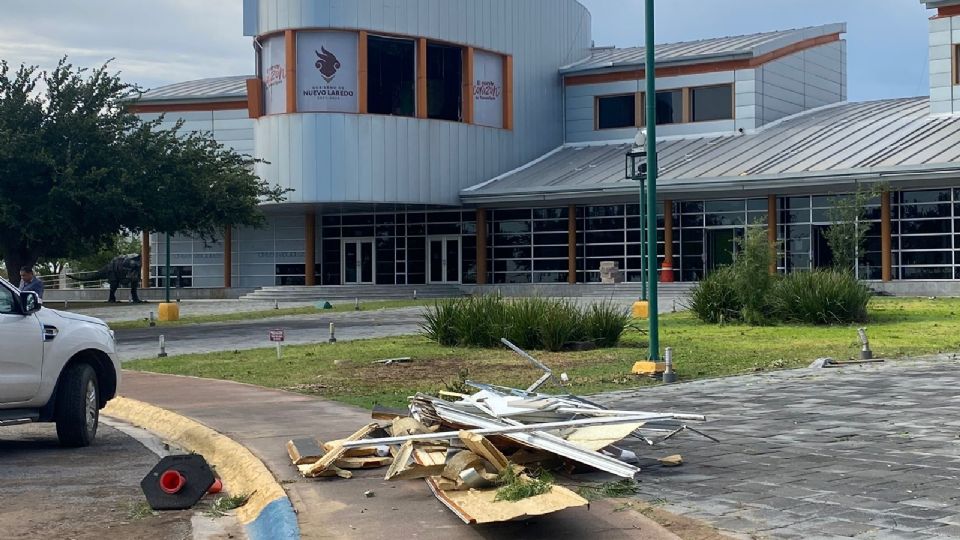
(77, 168)
(846, 235)
(122, 244)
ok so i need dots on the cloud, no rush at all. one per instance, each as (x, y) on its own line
(167, 41)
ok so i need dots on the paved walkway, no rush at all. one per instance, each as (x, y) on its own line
(263, 420)
(871, 452)
(126, 311)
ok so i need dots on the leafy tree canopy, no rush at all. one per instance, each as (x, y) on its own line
(77, 168)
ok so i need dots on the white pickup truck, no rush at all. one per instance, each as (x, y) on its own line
(55, 366)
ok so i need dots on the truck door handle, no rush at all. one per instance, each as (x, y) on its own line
(50, 332)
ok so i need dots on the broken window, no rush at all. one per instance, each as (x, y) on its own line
(711, 103)
(392, 76)
(444, 82)
(616, 111)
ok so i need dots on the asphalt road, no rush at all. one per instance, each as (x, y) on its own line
(238, 335)
(86, 493)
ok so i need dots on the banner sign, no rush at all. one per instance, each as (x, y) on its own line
(488, 89)
(327, 72)
(273, 72)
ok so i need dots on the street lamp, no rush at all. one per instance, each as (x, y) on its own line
(651, 140)
(636, 170)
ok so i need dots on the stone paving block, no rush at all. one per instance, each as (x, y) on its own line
(839, 528)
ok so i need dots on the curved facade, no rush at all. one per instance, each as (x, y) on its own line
(356, 151)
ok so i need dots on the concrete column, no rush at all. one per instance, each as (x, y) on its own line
(481, 246)
(228, 257)
(310, 248)
(772, 231)
(886, 240)
(145, 259)
(572, 244)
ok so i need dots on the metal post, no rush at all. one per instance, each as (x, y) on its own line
(643, 245)
(651, 102)
(166, 280)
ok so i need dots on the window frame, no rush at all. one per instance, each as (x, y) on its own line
(733, 103)
(637, 110)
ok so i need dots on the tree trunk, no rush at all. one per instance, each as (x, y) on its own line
(15, 261)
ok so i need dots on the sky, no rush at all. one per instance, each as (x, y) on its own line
(167, 41)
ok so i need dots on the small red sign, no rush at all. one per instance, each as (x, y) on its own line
(276, 335)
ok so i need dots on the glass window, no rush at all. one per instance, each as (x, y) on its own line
(391, 79)
(711, 103)
(724, 206)
(669, 107)
(8, 301)
(616, 111)
(444, 82)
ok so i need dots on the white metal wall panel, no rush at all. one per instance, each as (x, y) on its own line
(541, 35)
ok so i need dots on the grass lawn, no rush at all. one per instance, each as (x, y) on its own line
(345, 371)
(343, 305)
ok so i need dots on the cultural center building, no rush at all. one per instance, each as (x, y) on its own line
(483, 142)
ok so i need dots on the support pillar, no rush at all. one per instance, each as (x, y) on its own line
(572, 244)
(228, 257)
(310, 248)
(886, 240)
(666, 275)
(145, 259)
(481, 246)
(772, 231)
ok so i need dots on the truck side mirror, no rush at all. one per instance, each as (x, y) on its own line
(30, 302)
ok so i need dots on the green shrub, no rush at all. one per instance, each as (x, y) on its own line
(605, 322)
(439, 321)
(530, 323)
(560, 323)
(752, 280)
(821, 297)
(715, 298)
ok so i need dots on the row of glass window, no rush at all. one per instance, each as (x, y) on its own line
(705, 104)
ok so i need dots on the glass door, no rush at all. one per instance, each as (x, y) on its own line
(444, 259)
(358, 261)
(721, 248)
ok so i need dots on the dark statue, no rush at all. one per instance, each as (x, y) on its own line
(123, 270)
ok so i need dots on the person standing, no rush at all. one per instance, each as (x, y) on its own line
(30, 282)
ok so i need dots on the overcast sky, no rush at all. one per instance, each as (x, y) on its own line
(165, 41)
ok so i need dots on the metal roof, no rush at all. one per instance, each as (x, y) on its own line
(705, 49)
(893, 136)
(217, 88)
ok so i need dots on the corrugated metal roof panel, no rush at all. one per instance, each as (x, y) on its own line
(203, 89)
(748, 45)
(840, 139)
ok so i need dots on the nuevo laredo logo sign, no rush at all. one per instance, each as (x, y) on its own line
(487, 90)
(327, 64)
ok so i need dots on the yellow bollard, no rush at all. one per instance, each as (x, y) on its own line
(648, 368)
(168, 312)
(641, 309)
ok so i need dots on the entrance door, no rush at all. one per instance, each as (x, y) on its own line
(721, 247)
(822, 254)
(358, 261)
(444, 256)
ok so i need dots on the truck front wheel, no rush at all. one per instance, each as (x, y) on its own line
(78, 406)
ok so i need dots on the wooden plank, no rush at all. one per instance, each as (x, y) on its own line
(330, 458)
(479, 445)
(599, 437)
(366, 462)
(304, 451)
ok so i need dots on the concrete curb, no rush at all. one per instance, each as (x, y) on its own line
(268, 514)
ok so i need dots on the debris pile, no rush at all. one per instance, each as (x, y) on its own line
(486, 455)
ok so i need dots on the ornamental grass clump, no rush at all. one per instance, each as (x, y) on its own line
(821, 297)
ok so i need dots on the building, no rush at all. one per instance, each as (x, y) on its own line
(426, 141)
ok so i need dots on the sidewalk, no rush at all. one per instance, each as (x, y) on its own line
(263, 420)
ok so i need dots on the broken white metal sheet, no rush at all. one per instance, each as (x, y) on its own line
(500, 429)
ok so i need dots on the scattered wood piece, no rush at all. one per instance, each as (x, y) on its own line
(671, 461)
(304, 451)
(402, 427)
(331, 457)
(462, 461)
(363, 451)
(329, 472)
(368, 462)
(598, 437)
(479, 445)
